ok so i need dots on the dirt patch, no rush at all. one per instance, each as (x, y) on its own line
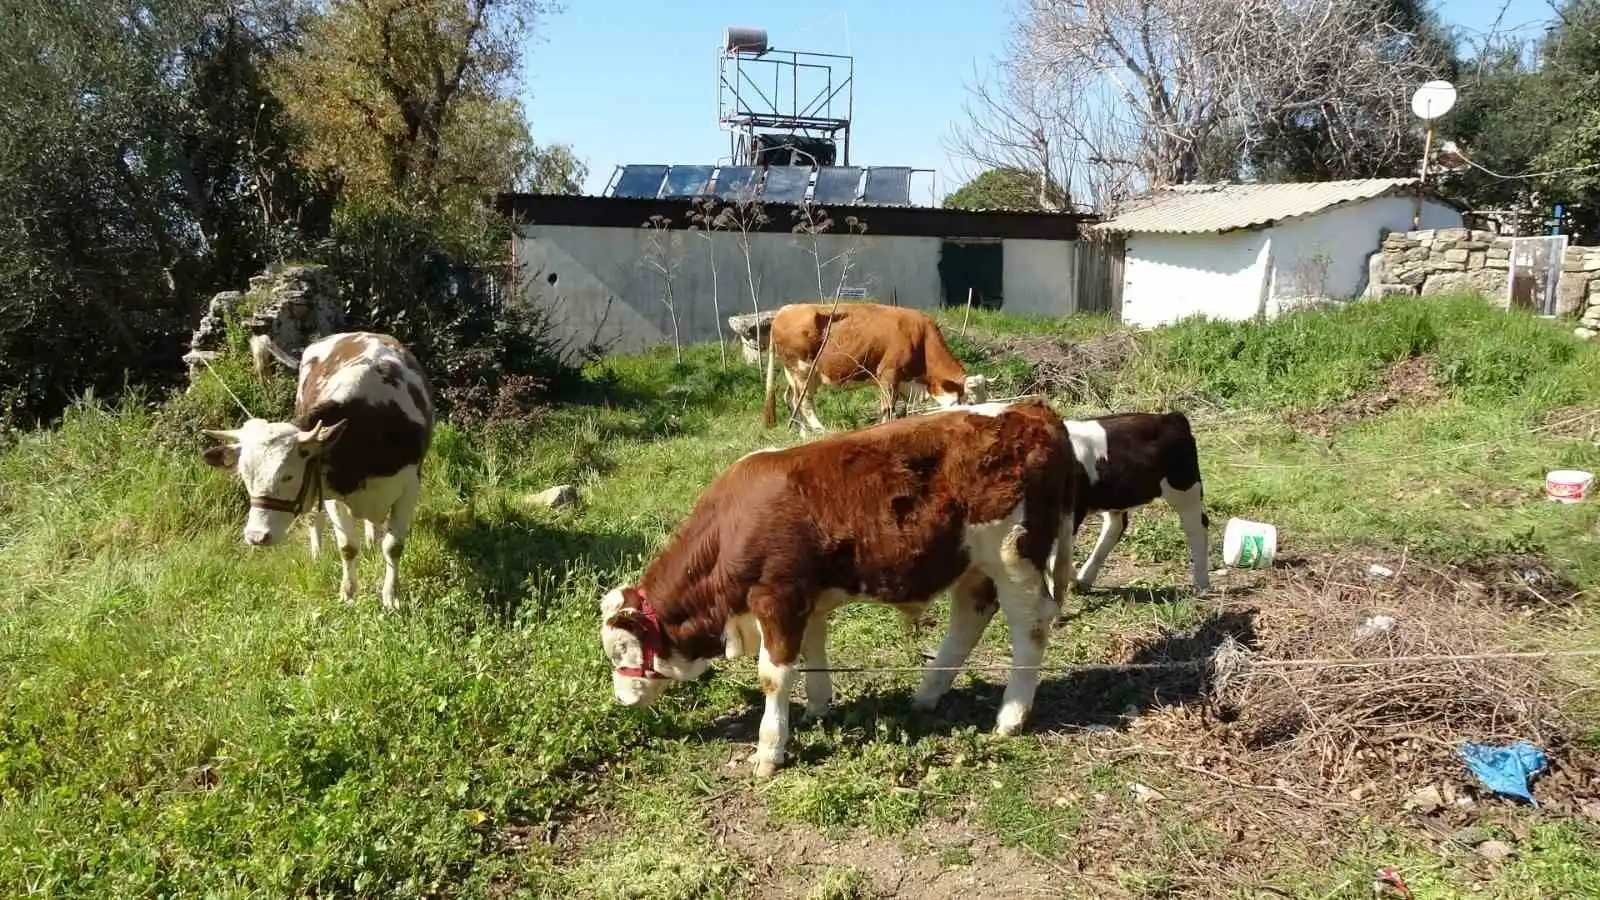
(1518, 580)
(1074, 371)
(1577, 423)
(1407, 382)
(938, 860)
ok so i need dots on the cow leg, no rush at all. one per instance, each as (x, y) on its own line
(888, 391)
(1113, 523)
(814, 650)
(314, 531)
(804, 395)
(777, 681)
(1029, 614)
(1190, 505)
(343, 522)
(397, 527)
(972, 605)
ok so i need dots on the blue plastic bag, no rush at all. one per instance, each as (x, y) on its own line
(1505, 770)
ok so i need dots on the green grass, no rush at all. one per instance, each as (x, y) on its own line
(180, 716)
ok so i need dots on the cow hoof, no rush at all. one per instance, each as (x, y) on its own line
(924, 703)
(1009, 724)
(818, 712)
(766, 768)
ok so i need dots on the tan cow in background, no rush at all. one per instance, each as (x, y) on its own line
(899, 350)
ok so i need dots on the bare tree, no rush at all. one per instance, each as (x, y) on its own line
(811, 223)
(744, 217)
(1147, 88)
(664, 254)
(1019, 123)
(706, 220)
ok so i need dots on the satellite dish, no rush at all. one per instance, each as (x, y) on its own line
(1433, 100)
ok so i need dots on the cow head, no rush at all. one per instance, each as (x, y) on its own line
(948, 393)
(632, 638)
(276, 462)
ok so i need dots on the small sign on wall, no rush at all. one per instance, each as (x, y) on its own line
(851, 293)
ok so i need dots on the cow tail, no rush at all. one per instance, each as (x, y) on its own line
(768, 411)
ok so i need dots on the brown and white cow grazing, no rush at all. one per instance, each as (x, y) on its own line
(1128, 460)
(363, 420)
(974, 501)
(900, 350)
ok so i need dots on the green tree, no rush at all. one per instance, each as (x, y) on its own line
(413, 97)
(1530, 125)
(141, 165)
(1003, 187)
(1570, 72)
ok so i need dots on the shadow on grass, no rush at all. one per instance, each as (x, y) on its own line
(670, 399)
(1065, 700)
(503, 555)
(1100, 598)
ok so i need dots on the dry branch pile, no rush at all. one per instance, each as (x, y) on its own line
(1324, 730)
(1063, 369)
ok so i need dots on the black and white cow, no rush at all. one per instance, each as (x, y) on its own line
(362, 424)
(1128, 460)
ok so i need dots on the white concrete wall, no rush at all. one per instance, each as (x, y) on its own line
(1325, 255)
(1168, 277)
(606, 292)
(1040, 277)
(1238, 274)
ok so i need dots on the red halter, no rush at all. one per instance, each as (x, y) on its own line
(650, 642)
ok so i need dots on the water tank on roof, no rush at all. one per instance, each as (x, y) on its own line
(744, 40)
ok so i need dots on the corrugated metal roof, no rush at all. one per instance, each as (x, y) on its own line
(1209, 208)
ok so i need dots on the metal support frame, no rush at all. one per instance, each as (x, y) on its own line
(744, 103)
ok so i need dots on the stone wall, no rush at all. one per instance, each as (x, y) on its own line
(1450, 260)
(293, 306)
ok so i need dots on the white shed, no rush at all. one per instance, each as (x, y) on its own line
(1236, 251)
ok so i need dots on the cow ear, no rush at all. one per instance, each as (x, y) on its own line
(224, 456)
(625, 613)
(628, 619)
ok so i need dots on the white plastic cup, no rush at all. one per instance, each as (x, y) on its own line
(1249, 545)
(1568, 485)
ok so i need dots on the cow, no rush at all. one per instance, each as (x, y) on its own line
(1128, 460)
(363, 421)
(894, 514)
(898, 349)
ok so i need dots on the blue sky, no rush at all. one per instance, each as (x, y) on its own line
(635, 80)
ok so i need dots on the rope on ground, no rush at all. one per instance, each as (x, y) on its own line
(229, 390)
(1229, 660)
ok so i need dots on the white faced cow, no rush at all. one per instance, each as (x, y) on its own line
(363, 421)
(894, 514)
